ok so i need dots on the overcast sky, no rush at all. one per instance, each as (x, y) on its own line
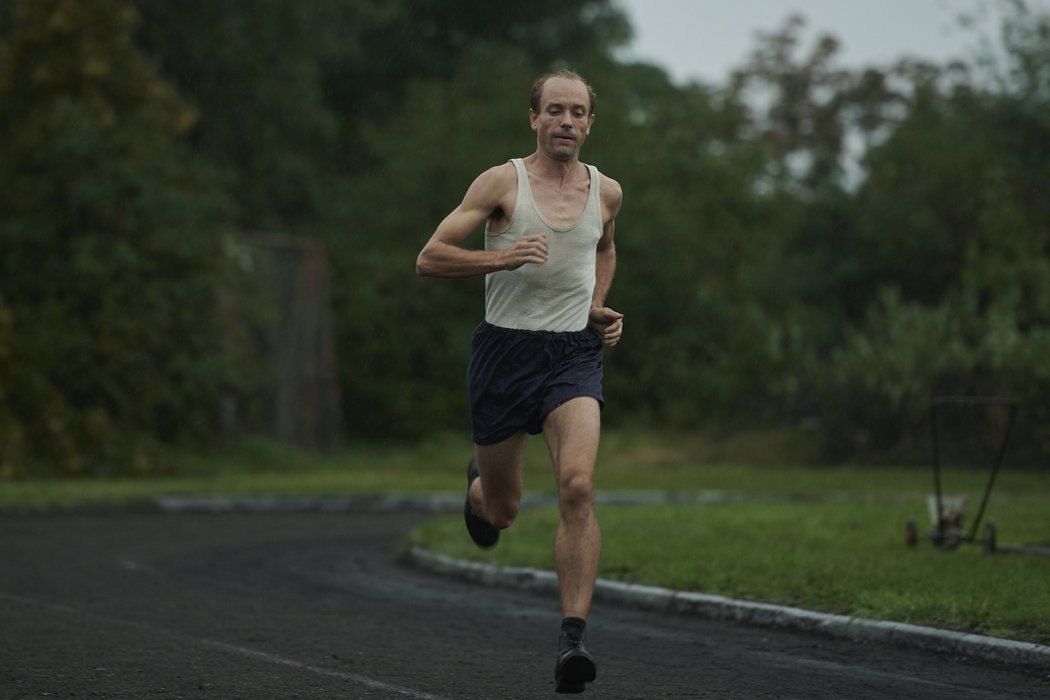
(705, 39)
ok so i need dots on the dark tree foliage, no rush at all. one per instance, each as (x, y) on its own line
(252, 69)
(956, 230)
(111, 237)
(287, 90)
(801, 242)
(406, 40)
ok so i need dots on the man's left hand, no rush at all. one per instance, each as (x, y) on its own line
(607, 323)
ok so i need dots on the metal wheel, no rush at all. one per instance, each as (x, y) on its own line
(911, 533)
(990, 538)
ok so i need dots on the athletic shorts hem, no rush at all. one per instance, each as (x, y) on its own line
(488, 440)
(516, 378)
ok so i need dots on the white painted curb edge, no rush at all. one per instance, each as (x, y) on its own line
(760, 614)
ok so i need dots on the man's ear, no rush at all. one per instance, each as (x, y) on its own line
(532, 119)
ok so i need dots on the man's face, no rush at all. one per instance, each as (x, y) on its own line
(564, 119)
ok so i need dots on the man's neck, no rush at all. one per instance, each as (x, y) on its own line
(558, 171)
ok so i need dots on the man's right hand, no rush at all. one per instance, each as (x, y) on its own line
(527, 249)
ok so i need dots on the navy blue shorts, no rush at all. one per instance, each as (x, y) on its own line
(516, 377)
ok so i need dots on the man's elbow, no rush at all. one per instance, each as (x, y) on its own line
(422, 268)
(425, 262)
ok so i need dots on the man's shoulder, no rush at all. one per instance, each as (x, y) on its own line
(502, 170)
(493, 188)
(497, 178)
(607, 183)
(611, 191)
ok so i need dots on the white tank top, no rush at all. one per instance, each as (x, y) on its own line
(554, 296)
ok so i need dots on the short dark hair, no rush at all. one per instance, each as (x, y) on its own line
(537, 88)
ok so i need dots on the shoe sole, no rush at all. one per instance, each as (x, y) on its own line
(574, 673)
(564, 687)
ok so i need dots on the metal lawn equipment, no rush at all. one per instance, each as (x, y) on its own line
(948, 513)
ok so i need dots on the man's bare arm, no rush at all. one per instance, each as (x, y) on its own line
(444, 256)
(604, 265)
(607, 322)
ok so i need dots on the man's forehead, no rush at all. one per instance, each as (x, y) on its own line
(564, 91)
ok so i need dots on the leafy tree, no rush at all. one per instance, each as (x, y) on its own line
(252, 69)
(395, 45)
(111, 234)
(965, 304)
(287, 91)
(802, 238)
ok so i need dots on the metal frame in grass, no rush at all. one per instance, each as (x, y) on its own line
(948, 532)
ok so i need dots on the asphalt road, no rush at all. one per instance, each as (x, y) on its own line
(315, 605)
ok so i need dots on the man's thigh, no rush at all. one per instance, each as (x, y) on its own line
(572, 431)
(500, 466)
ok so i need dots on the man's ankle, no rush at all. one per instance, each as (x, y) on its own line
(574, 624)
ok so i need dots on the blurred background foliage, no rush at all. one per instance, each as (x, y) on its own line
(801, 245)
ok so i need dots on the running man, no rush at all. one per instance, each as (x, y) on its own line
(536, 360)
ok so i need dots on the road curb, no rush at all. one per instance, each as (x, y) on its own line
(740, 611)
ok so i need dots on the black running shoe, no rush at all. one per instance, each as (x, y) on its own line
(481, 531)
(575, 665)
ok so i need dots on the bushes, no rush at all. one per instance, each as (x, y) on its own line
(112, 261)
(879, 385)
(760, 284)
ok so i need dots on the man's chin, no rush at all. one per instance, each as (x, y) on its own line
(562, 154)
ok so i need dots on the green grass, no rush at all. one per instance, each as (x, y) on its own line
(256, 466)
(832, 556)
(838, 547)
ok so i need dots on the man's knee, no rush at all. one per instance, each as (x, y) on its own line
(576, 491)
(501, 514)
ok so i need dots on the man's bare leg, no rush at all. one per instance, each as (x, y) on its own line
(496, 494)
(572, 432)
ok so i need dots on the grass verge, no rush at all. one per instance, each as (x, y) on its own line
(832, 556)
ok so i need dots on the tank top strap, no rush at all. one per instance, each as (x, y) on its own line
(524, 197)
(594, 196)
